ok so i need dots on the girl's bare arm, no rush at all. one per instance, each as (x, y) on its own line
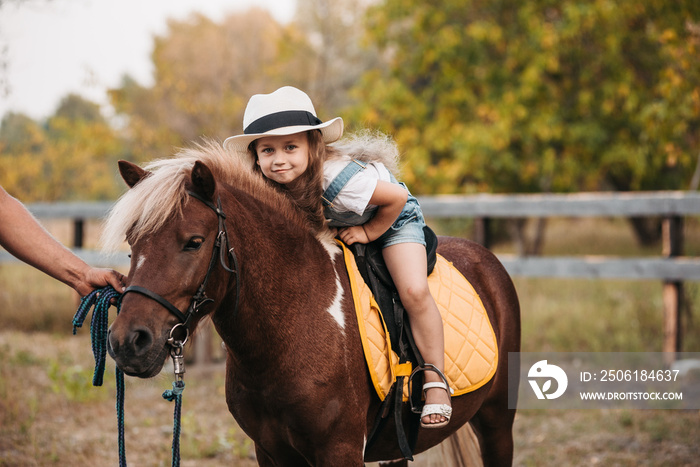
(390, 199)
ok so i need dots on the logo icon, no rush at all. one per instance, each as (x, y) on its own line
(552, 372)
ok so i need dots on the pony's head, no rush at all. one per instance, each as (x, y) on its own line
(171, 221)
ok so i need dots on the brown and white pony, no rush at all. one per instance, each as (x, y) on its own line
(296, 380)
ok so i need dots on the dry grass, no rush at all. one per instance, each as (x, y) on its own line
(50, 414)
(607, 437)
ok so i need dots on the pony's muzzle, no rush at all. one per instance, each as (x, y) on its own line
(136, 343)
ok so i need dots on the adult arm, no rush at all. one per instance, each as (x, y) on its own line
(23, 236)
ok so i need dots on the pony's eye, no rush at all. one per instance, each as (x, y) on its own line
(194, 244)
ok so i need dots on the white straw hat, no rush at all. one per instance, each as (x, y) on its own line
(286, 111)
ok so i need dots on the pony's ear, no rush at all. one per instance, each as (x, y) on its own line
(203, 181)
(132, 173)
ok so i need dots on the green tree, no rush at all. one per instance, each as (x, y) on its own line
(536, 96)
(21, 140)
(72, 157)
(75, 108)
(337, 55)
(204, 74)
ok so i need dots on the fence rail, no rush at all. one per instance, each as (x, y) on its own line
(670, 266)
(613, 204)
(671, 205)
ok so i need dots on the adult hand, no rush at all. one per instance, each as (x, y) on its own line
(96, 278)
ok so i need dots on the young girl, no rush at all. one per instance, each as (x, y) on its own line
(349, 185)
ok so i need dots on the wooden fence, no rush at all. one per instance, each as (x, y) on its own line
(670, 266)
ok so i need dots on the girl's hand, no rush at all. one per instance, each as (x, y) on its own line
(354, 234)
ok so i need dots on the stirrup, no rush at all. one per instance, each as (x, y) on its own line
(427, 367)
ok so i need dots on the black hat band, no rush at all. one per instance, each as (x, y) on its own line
(280, 120)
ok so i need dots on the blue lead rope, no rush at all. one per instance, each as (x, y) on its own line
(99, 326)
(176, 395)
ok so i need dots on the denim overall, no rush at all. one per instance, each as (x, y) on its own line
(408, 227)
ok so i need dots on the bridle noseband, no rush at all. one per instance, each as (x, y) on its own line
(224, 249)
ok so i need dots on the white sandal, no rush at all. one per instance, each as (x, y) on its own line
(444, 410)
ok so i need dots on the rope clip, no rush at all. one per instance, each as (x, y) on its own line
(178, 362)
(176, 347)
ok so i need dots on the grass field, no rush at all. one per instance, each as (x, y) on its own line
(51, 415)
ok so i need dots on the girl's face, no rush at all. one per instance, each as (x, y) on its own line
(283, 159)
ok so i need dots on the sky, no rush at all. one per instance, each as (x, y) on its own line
(49, 48)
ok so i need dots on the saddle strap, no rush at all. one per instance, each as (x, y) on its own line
(394, 402)
(394, 399)
(404, 444)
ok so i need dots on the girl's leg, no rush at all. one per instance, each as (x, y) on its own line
(407, 264)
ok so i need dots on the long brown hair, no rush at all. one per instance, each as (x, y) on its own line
(307, 190)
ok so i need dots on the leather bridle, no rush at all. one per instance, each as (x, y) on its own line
(221, 249)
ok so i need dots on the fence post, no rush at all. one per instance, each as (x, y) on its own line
(78, 232)
(78, 243)
(672, 230)
(482, 227)
(202, 344)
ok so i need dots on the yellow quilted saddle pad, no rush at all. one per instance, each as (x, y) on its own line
(471, 351)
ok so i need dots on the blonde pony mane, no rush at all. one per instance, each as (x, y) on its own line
(370, 146)
(146, 207)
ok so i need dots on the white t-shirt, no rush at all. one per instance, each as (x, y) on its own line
(356, 194)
